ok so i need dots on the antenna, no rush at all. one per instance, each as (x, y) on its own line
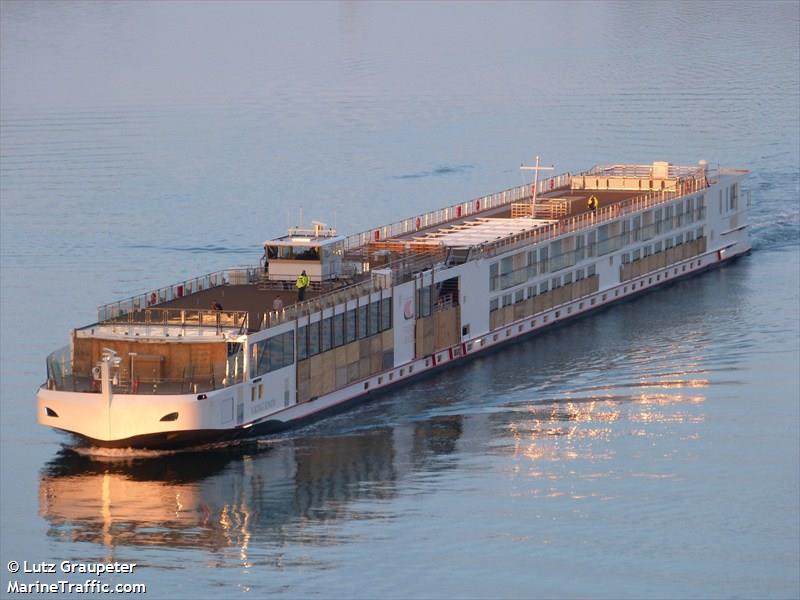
(301, 216)
(535, 170)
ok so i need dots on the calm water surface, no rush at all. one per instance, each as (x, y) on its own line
(651, 450)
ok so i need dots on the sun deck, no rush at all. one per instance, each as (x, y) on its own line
(489, 224)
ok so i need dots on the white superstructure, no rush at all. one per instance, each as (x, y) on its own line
(385, 305)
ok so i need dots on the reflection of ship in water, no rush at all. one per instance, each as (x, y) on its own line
(219, 499)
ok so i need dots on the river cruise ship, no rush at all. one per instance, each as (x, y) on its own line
(237, 353)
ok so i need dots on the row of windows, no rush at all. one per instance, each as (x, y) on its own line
(665, 244)
(563, 253)
(272, 354)
(541, 288)
(343, 328)
(731, 198)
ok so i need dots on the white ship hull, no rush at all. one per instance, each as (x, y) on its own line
(276, 400)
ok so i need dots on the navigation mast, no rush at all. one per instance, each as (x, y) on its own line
(535, 170)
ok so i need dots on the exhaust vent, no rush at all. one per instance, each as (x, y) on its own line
(50, 412)
(170, 417)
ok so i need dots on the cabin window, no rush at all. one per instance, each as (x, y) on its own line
(338, 330)
(493, 304)
(313, 339)
(363, 318)
(493, 276)
(555, 282)
(658, 246)
(519, 296)
(580, 274)
(260, 391)
(543, 287)
(349, 326)
(374, 317)
(326, 333)
(543, 258)
(465, 330)
(567, 278)
(302, 343)
(591, 238)
(386, 314)
(507, 300)
(252, 394)
(273, 353)
(590, 271)
(402, 372)
(531, 291)
(410, 369)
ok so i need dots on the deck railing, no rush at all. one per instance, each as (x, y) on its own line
(187, 319)
(60, 376)
(402, 270)
(455, 211)
(233, 276)
(590, 219)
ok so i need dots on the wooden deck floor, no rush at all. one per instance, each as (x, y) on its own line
(239, 297)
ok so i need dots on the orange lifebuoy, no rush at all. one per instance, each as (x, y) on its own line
(477, 204)
(419, 222)
(153, 299)
(552, 184)
(458, 212)
(377, 235)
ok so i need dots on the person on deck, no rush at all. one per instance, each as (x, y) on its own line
(593, 203)
(301, 284)
(277, 304)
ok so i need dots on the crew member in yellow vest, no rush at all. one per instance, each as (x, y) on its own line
(301, 284)
(592, 203)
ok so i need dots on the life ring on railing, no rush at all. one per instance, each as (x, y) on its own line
(552, 184)
(153, 299)
(477, 204)
(419, 222)
(377, 235)
(135, 385)
(561, 226)
(458, 212)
